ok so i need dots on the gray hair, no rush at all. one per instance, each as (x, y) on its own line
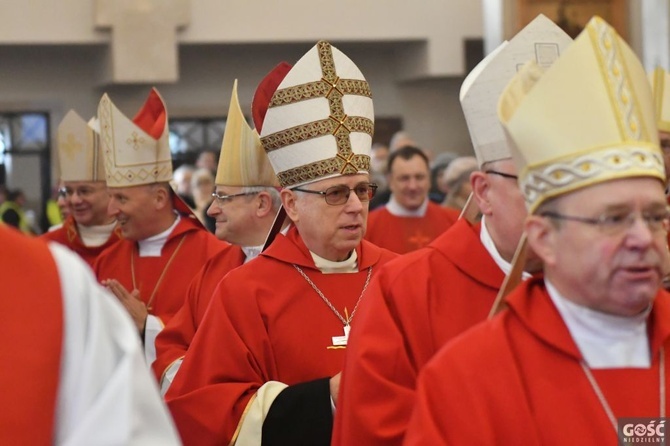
(273, 192)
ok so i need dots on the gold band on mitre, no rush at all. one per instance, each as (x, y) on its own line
(660, 85)
(242, 161)
(79, 153)
(136, 151)
(586, 120)
(320, 121)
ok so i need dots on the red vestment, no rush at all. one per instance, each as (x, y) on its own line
(68, 235)
(173, 341)
(517, 379)
(405, 234)
(265, 323)
(31, 330)
(415, 305)
(195, 245)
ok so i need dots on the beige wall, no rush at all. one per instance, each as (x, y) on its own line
(59, 78)
(411, 53)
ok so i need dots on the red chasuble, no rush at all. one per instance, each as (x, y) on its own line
(31, 311)
(264, 323)
(405, 234)
(68, 235)
(195, 246)
(517, 379)
(173, 341)
(415, 305)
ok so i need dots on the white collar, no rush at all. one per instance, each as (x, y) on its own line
(491, 248)
(94, 236)
(152, 246)
(251, 252)
(605, 340)
(349, 265)
(398, 210)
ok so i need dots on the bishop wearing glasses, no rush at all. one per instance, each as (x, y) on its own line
(264, 365)
(89, 229)
(583, 347)
(245, 204)
(425, 299)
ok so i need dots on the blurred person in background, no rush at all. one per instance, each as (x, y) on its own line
(13, 213)
(181, 179)
(456, 181)
(409, 220)
(202, 187)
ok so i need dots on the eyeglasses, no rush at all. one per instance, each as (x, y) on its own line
(221, 199)
(502, 174)
(338, 195)
(62, 192)
(617, 223)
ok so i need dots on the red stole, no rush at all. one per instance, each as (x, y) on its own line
(31, 329)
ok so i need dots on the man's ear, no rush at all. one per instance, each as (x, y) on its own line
(264, 204)
(162, 197)
(542, 238)
(289, 201)
(480, 191)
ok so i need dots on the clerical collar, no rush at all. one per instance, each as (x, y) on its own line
(152, 246)
(605, 340)
(491, 248)
(94, 236)
(398, 210)
(329, 267)
(251, 252)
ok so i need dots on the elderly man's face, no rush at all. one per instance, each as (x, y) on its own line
(612, 267)
(134, 209)
(87, 201)
(502, 204)
(234, 215)
(330, 231)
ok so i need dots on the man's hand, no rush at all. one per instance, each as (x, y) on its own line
(131, 301)
(335, 387)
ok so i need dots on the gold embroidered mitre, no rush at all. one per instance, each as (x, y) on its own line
(136, 151)
(243, 161)
(320, 120)
(79, 154)
(660, 85)
(587, 119)
(542, 41)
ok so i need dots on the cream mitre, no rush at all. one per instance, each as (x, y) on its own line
(541, 41)
(136, 151)
(586, 120)
(79, 155)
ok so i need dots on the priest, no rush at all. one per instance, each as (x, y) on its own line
(245, 204)
(264, 365)
(89, 229)
(423, 300)
(164, 244)
(586, 345)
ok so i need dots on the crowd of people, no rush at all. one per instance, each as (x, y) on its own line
(305, 286)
